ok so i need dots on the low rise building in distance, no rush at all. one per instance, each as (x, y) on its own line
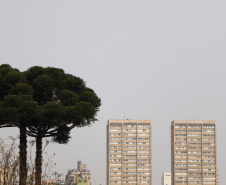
(79, 176)
(81, 181)
(166, 178)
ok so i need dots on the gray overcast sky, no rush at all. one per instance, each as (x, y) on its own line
(160, 60)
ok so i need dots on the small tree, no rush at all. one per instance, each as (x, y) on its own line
(59, 102)
(9, 162)
(9, 165)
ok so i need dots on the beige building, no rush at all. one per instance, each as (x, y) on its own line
(193, 152)
(129, 152)
(217, 177)
(166, 178)
(81, 172)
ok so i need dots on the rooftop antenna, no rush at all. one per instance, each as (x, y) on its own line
(197, 115)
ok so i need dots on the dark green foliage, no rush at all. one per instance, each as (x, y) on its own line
(6, 82)
(62, 99)
(22, 89)
(68, 98)
(63, 135)
(32, 73)
(45, 97)
(16, 102)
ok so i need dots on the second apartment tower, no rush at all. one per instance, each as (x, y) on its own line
(193, 152)
(129, 152)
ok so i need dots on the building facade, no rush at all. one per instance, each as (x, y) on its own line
(81, 181)
(193, 153)
(79, 176)
(129, 152)
(217, 177)
(166, 178)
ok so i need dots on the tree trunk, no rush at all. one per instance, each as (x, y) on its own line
(23, 155)
(38, 161)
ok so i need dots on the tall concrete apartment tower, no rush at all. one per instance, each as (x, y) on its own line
(193, 153)
(129, 152)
